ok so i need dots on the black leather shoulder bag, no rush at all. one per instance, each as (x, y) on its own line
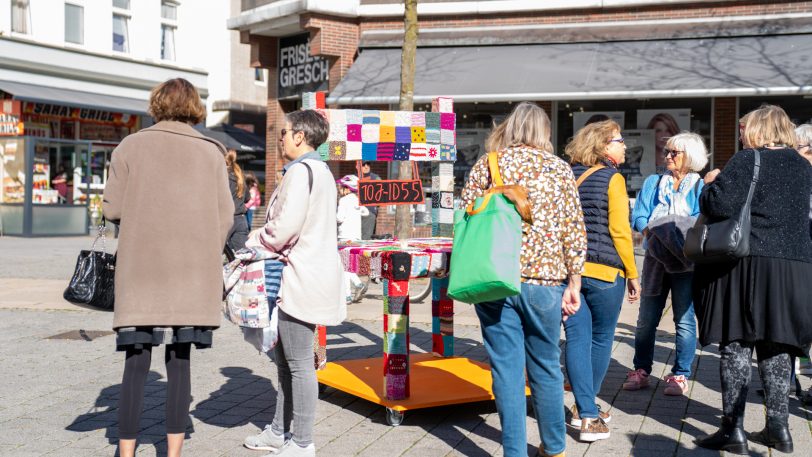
(725, 240)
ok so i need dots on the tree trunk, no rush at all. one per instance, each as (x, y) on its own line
(403, 219)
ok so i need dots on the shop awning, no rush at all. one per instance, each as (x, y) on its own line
(45, 94)
(248, 145)
(708, 67)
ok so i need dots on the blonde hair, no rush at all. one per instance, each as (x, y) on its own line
(234, 167)
(176, 100)
(768, 125)
(527, 125)
(696, 154)
(588, 146)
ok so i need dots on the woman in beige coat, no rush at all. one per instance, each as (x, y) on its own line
(169, 268)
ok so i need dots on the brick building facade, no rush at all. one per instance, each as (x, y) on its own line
(711, 90)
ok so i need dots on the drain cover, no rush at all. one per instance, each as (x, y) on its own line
(86, 335)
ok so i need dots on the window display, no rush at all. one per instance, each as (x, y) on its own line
(12, 170)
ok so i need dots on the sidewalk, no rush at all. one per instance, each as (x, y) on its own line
(58, 396)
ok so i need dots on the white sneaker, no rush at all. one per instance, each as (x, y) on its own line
(266, 440)
(291, 449)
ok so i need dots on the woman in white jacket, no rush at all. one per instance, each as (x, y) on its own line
(350, 211)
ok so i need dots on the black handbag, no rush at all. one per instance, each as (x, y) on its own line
(725, 240)
(92, 283)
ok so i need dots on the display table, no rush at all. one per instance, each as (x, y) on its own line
(424, 380)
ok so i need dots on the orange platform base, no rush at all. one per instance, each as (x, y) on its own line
(434, 381)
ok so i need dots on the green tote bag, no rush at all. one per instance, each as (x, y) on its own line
(485, 264)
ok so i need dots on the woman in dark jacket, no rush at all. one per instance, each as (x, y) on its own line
(760, 301)
(239, 192)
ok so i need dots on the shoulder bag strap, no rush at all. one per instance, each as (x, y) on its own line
(756, 169)
(587, 173)
(309, 176)
(493, 166)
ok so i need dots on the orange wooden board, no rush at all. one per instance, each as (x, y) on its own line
(434, 381)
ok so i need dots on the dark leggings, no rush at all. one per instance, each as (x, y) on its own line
(178, 389)
(773, 367)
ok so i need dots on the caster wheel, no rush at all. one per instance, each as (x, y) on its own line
(394, 418)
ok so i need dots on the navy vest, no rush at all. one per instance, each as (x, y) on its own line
(595, 203)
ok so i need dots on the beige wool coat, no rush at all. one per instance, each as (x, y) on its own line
(168, 188)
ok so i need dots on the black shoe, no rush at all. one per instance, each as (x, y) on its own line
(775, 435)
(729, 438)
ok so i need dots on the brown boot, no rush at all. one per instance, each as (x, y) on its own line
(544, 454)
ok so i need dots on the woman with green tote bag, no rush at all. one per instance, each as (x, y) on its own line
(521, 332)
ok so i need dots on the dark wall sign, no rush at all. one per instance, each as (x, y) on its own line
(298, 70)
(390, 192)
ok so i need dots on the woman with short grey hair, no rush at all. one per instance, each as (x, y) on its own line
(667, 205)
(804, 134)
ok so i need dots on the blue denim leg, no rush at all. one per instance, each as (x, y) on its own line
(648, 318)
(518, 332)
(590, 333)
(685, 322)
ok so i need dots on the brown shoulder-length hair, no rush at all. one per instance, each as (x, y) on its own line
(527, 125)
(767, 125)
(588, 146)
(176, 100)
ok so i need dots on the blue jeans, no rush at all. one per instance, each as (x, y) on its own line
(590, 333)
(651, 311)
(523, 332)
(249, 216)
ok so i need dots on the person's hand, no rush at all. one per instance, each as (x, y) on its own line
(634, 289)
(571, 301)
(711, 176)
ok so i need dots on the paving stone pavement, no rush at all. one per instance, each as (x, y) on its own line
(58, 397)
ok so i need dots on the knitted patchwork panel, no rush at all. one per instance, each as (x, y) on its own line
(418, 151)
(386, 151)
(396, 323)
(448, 137)
(396, 364)
(403, 134)
(387, 134)
(401, 151)
(372, 117)
(338, 150)
(447, 121)
(420, 265)
(395, 305)
(448, 152)
(370, 133)
(432, 121)
(354, 132)
(369, 151)
(403, 118)
(355, 116)
(396, 387)
(433, 151)
(396, 288)
(432, 135)
(418, 134)
(394, 343)
(388, 118)
(418, 119)
(397, 266)
(354, 150)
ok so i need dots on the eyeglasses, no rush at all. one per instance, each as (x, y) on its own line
(618, 140)
(671, 153)
(801, 146)
(285, 131)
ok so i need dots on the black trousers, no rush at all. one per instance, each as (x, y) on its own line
(178, 391)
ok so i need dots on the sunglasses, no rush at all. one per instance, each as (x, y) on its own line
(671, 153)
(618, 140)
(801, 146)
(283, 132)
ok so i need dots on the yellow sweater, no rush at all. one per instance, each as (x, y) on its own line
(621, 233)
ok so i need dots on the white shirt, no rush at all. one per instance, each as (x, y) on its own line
(348, 217)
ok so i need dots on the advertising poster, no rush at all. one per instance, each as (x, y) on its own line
(665, 123)
(581, 118)
(640, 161)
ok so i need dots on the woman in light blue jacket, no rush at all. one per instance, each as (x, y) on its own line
(668, 204)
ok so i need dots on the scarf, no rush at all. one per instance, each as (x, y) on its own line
(670, 201)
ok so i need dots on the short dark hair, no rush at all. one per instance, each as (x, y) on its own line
(176, 100)
(367, 162)
(314, 126)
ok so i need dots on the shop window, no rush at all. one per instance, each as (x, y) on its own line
(74, 24)
(167, 42)
(20, 16)
(121, 38)
(169, 11)
(123, 4)
(259, 75)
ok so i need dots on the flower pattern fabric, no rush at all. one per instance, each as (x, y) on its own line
(554, 246)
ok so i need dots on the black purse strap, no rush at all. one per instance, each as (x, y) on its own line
(756, 169)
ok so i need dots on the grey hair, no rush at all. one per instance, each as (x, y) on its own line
(804, 134)
(696, 154)
(314, 126)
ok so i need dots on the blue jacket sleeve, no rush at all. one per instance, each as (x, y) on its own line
(644, 203)
(694, 198)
